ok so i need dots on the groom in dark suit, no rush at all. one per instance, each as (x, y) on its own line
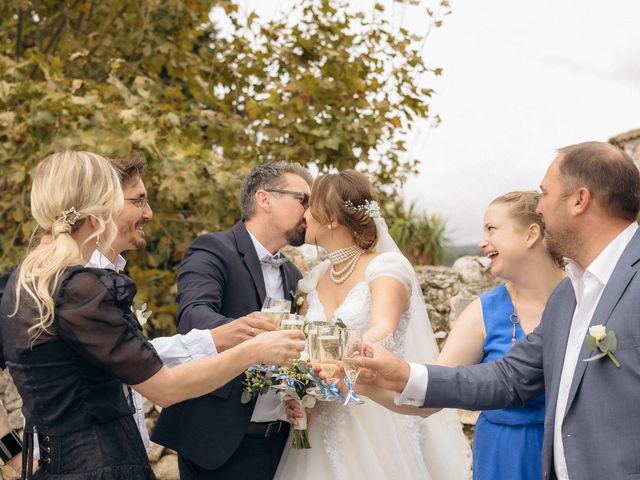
(224, 276)
(590, 201)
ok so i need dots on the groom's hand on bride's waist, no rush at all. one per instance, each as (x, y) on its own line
(383, 368)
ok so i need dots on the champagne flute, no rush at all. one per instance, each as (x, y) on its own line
(274, 309)
(312, 351)
(292, 321)
(353, 350)
(330, 350)
(312, 337)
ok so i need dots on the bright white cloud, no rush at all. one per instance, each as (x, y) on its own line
(521, 79)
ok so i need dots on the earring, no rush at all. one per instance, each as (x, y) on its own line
(98, 241)
(329, 226)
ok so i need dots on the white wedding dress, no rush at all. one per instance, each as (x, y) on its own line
(368, 441)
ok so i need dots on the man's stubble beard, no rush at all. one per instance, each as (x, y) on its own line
(565, 244)
(295, 236)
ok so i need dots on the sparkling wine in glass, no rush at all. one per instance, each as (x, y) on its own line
(329, 350)
(312, 340)
(273, 309)
(292, 321)
(353, 350)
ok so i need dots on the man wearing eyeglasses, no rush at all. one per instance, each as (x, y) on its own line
(130, 221)
(194, 344)
(224, 276)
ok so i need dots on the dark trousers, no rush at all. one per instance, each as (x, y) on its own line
(256, 458)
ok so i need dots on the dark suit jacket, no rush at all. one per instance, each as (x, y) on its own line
(220, 279)
(601, 427)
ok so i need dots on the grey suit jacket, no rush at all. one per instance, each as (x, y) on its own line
(601, 427)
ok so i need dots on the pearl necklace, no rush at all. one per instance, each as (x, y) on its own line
(349, 256)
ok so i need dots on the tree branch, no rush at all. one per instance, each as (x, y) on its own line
(56, 35)
(19, 33)
(90, 15)
(104, 29)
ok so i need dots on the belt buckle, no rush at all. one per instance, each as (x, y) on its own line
(273, 431)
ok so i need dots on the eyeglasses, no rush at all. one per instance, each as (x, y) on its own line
(302, 197)
(140, 202)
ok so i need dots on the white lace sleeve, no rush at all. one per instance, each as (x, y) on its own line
(390, 264)
(310, 280)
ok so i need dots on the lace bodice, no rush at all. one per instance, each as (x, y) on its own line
(369, 441)
(355, 309)
(332, 418)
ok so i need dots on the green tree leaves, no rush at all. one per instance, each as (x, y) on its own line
(335, 89)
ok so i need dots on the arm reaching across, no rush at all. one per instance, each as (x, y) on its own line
(190, 380)
(510, 381)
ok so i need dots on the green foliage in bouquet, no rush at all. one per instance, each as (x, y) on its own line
(257, 380)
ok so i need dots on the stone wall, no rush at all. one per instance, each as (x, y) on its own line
(629, 142)
(447, 292)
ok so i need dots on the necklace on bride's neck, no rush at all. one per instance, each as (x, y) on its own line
(348, 256)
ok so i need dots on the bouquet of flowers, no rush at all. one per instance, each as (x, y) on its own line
(292, 384)
(298, 382)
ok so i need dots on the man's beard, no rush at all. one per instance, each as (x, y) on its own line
(558, 245)
(295, 236)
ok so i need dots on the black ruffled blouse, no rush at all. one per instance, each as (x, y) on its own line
(71, 377)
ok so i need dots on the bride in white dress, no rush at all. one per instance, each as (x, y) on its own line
(367, 282)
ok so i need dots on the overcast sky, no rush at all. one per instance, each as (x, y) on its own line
(521, 79)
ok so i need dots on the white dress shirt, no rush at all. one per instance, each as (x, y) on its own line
(173, 350)
(269, 405)
(588, 285)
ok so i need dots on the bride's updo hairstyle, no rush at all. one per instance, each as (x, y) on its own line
(67, 188)
(522, 209)
(334, 196)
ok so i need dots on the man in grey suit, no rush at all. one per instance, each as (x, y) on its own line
(590, 201)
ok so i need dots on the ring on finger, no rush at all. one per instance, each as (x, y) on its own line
(252, 331)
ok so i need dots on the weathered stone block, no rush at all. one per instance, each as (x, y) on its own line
(167, 468)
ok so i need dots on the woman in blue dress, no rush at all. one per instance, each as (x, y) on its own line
(508, 441)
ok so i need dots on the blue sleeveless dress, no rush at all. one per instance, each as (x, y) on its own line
(508, 441)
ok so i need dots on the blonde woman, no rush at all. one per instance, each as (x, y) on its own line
(70, 338)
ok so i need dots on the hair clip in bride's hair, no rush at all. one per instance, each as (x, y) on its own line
(71, 216)
(370, 208)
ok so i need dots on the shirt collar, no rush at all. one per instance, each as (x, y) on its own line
(603, 265)
(260, 249)
(98, 260)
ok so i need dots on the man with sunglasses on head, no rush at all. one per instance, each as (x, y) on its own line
(225, 276)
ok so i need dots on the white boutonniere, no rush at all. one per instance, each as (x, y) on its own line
(139, 310)
(297, 300)
(606, 342)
